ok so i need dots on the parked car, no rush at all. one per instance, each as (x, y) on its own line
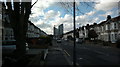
(58, 40)
(79, 40)
(65, 39)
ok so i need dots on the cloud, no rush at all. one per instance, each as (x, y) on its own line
(51, 14)
(106, 5)
(85, 19)
(94, 20)
(48, 30)
(81, 20)
(68, 27)
(38, 9)
(68, 23)
(108, 0)
(107, 13)
(90, 13)
(43, 25)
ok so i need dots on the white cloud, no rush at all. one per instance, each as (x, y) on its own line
(81, 20)
(106, 5)
(109, 0)
(68, 27)
(94, 20)
(48, 30)
(90, 13)
(51, 14)
(107, 13)
(68, 23)
(84, 19)
(38, 9)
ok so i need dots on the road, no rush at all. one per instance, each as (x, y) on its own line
(91, 55)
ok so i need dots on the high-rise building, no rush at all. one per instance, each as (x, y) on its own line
(60, 29)
(55, 32)
(58, 32)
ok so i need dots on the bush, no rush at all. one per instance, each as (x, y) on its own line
(106, 43)
(86, 38)
(46, 39)
(42, 41)
(118, 43)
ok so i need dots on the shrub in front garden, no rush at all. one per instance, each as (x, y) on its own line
(118, 43)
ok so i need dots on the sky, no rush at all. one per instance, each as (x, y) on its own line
(48, 13)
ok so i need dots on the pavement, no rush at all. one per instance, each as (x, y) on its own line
(56, 56)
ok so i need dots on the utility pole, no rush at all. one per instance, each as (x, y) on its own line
(74, 48)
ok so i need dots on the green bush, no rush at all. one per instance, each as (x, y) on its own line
(118, 43)
(46, 39)
(106, 43)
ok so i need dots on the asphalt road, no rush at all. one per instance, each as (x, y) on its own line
(87, 54)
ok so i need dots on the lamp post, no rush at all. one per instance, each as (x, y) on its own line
(74, 47)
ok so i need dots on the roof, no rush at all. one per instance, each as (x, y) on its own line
(112, 19)
(116, 19)
(103, 22)
(69, 32)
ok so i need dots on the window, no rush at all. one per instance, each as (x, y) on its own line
(112, 26)
(115, 25)
(106, 27)
(115, 36)
(102, 28)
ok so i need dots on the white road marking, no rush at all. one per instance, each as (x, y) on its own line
(66, 52)
(66, 57)
(80, 58)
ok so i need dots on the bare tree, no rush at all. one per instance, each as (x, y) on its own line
(19, 16)
(68, 6)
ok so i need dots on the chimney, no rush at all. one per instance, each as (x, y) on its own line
(108, 17)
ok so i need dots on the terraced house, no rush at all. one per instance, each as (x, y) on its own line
(112, 29)
(107, 30)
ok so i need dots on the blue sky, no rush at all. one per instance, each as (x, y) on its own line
(47, 13)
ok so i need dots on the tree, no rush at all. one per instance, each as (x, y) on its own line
(69, 37)
(19, 21)
(92, 34)
(77, 33)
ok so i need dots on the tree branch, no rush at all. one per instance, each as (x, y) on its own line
(34, 3)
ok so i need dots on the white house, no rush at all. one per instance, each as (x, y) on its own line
(113, 27)
(81, 33)
(65, 35)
